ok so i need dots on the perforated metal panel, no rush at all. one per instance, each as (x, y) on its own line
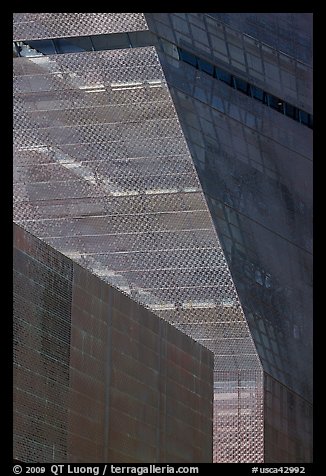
(34, 26)
(102, 172)
(86, 389)
(42, 297)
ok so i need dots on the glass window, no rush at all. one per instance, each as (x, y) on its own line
(224, 76)
(73, 45)
(291, 111)
(242, 85)
(83, 42)
(188, 57)
(276, 103)
(43, 46)
(304, 118)
(142, 38)
(111, 42)
(206, 67)
(266, 98)
(25, 50)
(257, 93)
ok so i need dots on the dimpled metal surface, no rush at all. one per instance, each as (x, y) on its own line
(34, 26)
(103, 173)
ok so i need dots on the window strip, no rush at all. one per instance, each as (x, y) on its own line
(46, 47)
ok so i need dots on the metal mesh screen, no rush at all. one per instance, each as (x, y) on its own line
(55, 25)
(238, 423)
(102, 172)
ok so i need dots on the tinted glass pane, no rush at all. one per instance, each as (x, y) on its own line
(291, 111)
(275, 103)
(224, 76)
(111, 42)
(27, 51)
(206, 67)
(257, 93)
(142, 38)
(83, 42)
(100, 42)
(43, 46)
(304, 118)
(241, 85)
(72, 45)
(188, 57)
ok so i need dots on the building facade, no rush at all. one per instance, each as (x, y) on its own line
(170, 154)
(242, 87)
(97, 377)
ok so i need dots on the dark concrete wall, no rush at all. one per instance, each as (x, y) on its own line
(287, 425)
(97, 377)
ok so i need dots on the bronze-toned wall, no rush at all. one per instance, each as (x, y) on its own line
(287, 424)
(97, 377)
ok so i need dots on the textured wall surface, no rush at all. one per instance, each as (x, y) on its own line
(258, 184)
(288, 424)
(42, 334)
(102, 172)
(97, 377)
(55, 25)
(255, 167)
(290, 33)
(238, 420)
(273, 69)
